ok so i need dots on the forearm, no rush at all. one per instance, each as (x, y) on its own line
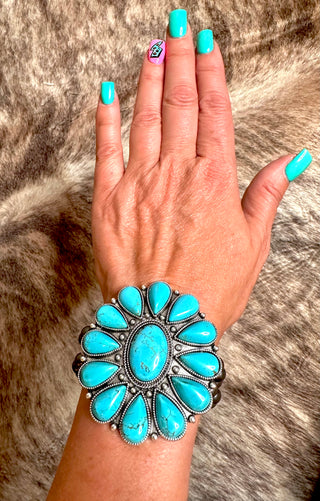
(98, 464)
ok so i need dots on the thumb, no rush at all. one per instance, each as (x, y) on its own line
(264, 194)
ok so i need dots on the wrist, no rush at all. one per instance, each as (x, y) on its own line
(98, 464)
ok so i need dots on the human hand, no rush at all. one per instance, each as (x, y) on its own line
(175, 213)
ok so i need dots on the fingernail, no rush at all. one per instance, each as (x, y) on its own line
(178, 23)
(205, 41)
(107, 92)
(157, 50)
(298, 164)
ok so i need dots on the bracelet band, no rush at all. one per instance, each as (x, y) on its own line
(149, 363)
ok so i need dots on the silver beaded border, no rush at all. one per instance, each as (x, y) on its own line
(123, 414)
(177, 404)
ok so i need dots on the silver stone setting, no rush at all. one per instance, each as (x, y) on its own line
(195, 350)
(100, 354)
(101, 384)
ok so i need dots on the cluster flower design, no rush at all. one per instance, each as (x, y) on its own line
(149, 363)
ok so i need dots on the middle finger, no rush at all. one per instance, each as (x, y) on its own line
(180, 97)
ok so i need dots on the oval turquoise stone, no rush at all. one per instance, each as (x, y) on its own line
(202, 332)
(134, 425)
(95, 373)
(203, 363)
(158, 296)
(106, 404)
(98, 343)
(194, 394)
(148, 352)
(108, 316)
(170, 419)
(130, 299)
(184, 307)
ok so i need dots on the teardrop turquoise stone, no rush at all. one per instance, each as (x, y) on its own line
(202, 332)
(170, 419)
(95, 373)
(203, 363)
(194, 394)
(134, 424)
(109, 316)
(130, 299)
(148, 352)
(158, 296)
(97, 343)
(184, 307)
(106, 404)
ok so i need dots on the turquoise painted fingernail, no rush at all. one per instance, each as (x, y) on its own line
(107, 92)
(298, 164)
(205, 41)
(178, 23)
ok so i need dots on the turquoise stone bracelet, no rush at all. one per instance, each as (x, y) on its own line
(149, 363)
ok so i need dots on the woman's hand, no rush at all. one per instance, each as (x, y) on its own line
(175, 213)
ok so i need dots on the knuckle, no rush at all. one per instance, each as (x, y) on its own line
(214, 69)
(146, 118)
(103, 119)
(179, 52)
(271, 190)
(154, 78)
(107, 151)
(181, 95)
(216, 101)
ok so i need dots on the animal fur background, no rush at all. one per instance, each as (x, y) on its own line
(260, 443)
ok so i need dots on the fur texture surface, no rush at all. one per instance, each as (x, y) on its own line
(260, 443)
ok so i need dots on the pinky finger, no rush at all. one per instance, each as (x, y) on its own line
(109, 155)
